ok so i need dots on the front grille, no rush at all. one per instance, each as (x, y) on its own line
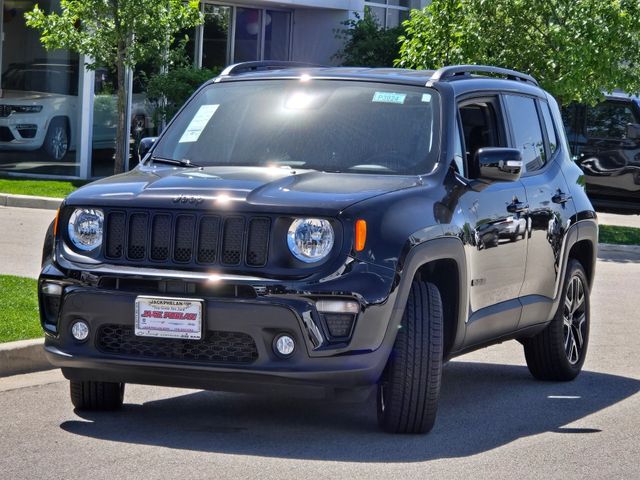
(216, 347)
(6, 135)
(5, 110)
(182, 239)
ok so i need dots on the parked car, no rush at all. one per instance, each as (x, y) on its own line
(605, 140)
(313, 231)
(39, 109)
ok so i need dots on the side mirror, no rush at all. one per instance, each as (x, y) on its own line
(145, 146)
(498, 164)
(633, 131)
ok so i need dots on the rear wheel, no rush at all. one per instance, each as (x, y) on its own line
(88, 395)
(410, 386)
(558, 352)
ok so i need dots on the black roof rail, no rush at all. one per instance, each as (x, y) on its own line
(449, 73)
(263, 65)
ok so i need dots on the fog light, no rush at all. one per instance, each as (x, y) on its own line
(284, 345)
(51, 289)
(80, 330)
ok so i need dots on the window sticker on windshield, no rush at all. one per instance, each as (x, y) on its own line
(426, 97)
(198, 124)
(389, 97)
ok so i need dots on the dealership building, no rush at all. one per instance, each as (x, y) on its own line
(58, 118)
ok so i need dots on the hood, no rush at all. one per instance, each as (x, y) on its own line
(23, 96)
(238, 188)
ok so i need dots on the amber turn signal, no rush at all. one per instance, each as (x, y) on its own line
(55, 223)
(361, 235)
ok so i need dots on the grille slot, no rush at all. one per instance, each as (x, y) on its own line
(158, 238)
(208, 237)
(258, 242)
(183, 249)
(233, 237)
(216, 347)
(137, 244)
(115, 238)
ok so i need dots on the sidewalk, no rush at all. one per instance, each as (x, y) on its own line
(619, 220)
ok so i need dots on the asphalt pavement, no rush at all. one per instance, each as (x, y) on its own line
(494, 420)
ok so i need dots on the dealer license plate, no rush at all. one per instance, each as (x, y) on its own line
(168, 317)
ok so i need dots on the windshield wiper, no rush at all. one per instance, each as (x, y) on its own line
(183, 163)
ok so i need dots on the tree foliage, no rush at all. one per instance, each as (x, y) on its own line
(170, 90)
(367, 43)
(120, 33)
(575, 48)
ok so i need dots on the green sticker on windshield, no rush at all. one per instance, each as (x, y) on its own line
(389, 97)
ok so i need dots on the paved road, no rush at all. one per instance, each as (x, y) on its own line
(495, 421)
(21, 235)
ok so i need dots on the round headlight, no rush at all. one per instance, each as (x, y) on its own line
(310, 239)
(85, 228)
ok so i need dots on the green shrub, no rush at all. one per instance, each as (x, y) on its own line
(366, 43)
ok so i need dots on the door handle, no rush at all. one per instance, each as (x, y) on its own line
(560, 197)
(517, 207)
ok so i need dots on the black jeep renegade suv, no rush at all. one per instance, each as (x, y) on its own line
(327, 231)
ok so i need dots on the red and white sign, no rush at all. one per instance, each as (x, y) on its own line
(168, 317)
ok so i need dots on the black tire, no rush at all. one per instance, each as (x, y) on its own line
(56, 141)
(87, 395)
(551, 354)
(410, 385)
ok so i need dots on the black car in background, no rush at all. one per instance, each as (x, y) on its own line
(327, 232)
(605, 142)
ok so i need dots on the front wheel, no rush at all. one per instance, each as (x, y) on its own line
(410, 386)
(88, 395)
(56, 141)
(558, 352)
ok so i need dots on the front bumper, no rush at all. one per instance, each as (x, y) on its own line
(316, 368)
(22, 132)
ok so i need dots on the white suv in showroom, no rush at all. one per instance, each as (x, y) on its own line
(39, 109)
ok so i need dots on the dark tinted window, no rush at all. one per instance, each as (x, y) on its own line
(480, 129)
(609, 120)
(527, 131)
(548, 123)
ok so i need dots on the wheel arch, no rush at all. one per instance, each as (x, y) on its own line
(440, 261)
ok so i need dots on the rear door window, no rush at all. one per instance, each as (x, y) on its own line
(527, 131)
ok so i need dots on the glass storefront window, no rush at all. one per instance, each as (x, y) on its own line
(215, 36)
(247, 34)
(277, 35)
(39, 105)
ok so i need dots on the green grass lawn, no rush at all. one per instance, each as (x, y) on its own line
(619, 235)
(19, 318)
(40, 188)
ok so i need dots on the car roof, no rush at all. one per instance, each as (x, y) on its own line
(460, 83)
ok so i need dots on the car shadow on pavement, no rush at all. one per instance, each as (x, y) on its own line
(482, 407)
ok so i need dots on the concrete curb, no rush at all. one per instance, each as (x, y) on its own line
(24, 356)
(29, 201)
(627, 250)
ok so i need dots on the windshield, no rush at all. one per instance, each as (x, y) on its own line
(337, 126)
(47, 79)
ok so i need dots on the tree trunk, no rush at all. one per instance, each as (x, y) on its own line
(122, 130)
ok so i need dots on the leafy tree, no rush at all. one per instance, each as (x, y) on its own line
(170, 90)
(367, 43)
(575, 48)
(120, 33)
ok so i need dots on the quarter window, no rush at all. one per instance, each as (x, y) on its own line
(527, 133)
(609, 120)
(551, 131)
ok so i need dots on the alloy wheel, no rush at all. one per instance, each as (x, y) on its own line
(574, 320)
(59, 142)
